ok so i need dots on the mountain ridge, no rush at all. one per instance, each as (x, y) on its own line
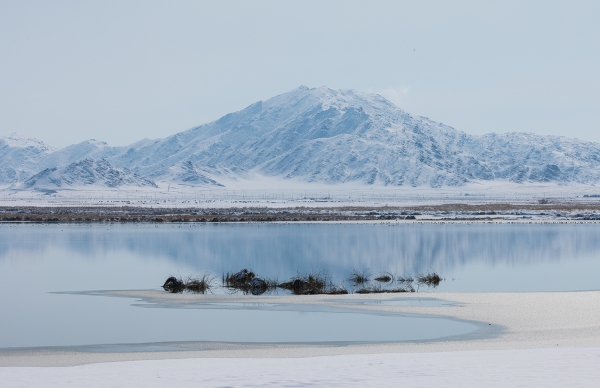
(328, 136)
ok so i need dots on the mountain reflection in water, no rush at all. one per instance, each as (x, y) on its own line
(471, 257)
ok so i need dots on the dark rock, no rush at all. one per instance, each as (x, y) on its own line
(258, 286)
(173, 285)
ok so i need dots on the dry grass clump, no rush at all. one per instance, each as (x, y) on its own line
(359, 277)
(237, 279)
(429, 279)
(195, 284)
(313, 283)
(199, 284)
(385, 277)
(307, 284)
(248, 283)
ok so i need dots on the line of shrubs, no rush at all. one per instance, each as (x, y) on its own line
(312, 283)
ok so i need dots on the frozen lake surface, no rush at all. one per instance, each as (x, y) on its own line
(44, 266)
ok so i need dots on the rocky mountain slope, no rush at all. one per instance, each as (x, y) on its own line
(85, 173)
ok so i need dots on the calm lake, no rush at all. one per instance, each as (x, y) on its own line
(39, 263)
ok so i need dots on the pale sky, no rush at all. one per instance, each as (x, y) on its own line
(120, 71)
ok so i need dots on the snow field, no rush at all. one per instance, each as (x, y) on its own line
(561, 367)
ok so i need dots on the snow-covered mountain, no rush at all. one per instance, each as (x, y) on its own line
(330, 136)
(85, 173)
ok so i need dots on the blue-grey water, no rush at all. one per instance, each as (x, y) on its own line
(38, 260)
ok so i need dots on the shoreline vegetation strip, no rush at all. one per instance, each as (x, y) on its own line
(445, 212)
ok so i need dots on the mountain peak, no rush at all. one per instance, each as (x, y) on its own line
(19, 140)
(325, 98)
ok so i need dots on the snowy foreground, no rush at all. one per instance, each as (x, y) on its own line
(546, 339)
(572, 367)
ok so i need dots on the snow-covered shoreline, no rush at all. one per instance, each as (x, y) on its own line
(505, 320)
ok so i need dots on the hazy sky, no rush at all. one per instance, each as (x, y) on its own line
(120, 71)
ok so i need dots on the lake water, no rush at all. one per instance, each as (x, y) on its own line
(38, 260)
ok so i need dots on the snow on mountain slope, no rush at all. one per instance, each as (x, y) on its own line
(319, 135)
(84, 173)
(20, 156)
(340, 136)
(89, 149)
(526, 157)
